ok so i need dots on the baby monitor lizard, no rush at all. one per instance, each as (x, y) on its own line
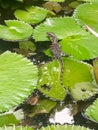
(55, 48)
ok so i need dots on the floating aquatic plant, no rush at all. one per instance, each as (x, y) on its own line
(11, 117)
(18, 78)
(67, 25)
(73, 78)
(64, 127)
(31, 15)
(89, 17)
(15, 30)
(92, 111)
(82, 47)
(75, 41)
(16, 128)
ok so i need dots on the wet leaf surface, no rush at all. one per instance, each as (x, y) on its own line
(84, 90)
(92, 111)
(15, 30)
(81, 47)
(89, 17)
(31, 15)
(73, 78)
(18, 78)
(65, 127)
(49, 81)
(66, 25)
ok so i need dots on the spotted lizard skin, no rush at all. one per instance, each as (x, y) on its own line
(57, 52)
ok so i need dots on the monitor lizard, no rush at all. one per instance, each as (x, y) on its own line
(56, 50)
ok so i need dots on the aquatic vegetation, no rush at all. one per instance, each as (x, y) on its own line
(27, 26)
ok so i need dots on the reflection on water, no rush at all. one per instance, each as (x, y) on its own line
(62, 117)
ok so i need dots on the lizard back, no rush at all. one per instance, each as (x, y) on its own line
(57, 52)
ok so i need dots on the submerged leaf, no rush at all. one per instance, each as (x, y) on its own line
(31, 15)
(66, 25)
(52, 6)
(15, 30)
(82, 47)
(44, 106)
(10, 117)
(18, 78)
(20, 0)
(92, 111)
(64, 127)
(27, 45)
(57, 0)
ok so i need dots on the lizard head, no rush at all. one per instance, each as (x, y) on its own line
(52, 36)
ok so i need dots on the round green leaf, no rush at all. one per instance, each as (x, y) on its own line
(18, 78)
(64, 127)
(89, 17)
(49, 80)
(78, 77)
(84, 90)
(81, 47)
(92, 111)
(32, 15)
(75, 72)
(62, 27)
(15, 30)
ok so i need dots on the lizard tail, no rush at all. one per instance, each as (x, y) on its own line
(62, 73)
